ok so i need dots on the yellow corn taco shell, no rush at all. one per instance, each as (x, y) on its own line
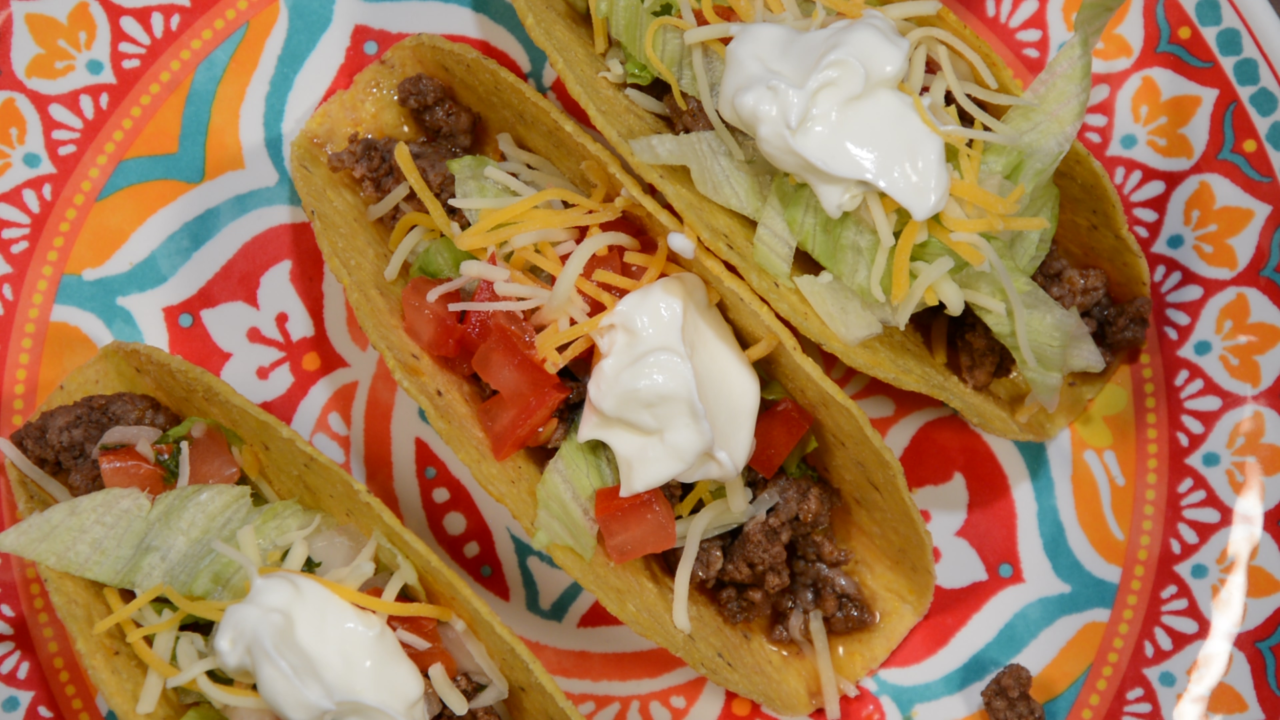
(880, 522)
(293, 470)
(1092, 231)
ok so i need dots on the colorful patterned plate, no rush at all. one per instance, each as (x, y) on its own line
(1131, 563)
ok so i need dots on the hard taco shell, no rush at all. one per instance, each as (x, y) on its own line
(291, 468)
(1092, 231)
(878, 521)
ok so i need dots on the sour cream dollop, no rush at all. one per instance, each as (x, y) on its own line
(824, 105)
(674, 396)
(314, 655)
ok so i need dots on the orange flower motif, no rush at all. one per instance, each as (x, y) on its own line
(60, 42)
(1251, 458)
(1243, 341)
(1214, 226)
(1224, 699)
(1112, 45)
(13, 132)
(1164, 119)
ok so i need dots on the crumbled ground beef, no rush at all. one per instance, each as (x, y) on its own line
(63, 439)
(569, 410)
(982, 357)
(1115, 328)
(1072, 287)
(1007, 696)
(692, 119)
(442, 118)
(782, 561)
(448, 129)
(469, 689)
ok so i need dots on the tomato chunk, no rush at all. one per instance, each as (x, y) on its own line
(424, 628)
(527, 396)
(778, 430)
(635, 526)
(432, 325)
(127, 468)
(211, 460)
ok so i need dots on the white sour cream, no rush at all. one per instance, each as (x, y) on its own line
(314, 655)
(824, 105)
(674, 396)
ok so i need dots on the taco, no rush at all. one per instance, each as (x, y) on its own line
(809, 561)
(154, 495)
(873, 172)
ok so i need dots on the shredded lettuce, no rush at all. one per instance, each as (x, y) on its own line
(839, 307)
(441, 259)
(1056, 336)
(118, 537)
(716, 173)
(775, 245)
(203, 711)
(567, 494)
(629, 20)
(638, 72)
(469, 181)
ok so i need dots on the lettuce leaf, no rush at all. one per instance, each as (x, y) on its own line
(839, 307)
(469, 181)
(567, 494)
(716, 173)
(629, 20)
(119, 537)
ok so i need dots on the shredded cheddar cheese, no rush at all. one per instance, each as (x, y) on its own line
(762, 348)
(663, 71)
(404, 159)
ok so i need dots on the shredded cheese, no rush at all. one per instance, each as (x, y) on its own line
(959, 45)
(573, 267)
(647, 102)
(684, 572)
(170, 621)
(700, 490)
(663, 71)
(404, 159)
(153, 685)
(902, 260)
(368, 602)
(599, 32)
(919, 286)
(826, 670)
(402, 253)
(957, 91)
(383, 206)
(144, 651)
(762, 348)
(55, 489)
(910, 9)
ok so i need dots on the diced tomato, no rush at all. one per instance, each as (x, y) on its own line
(432, 325)
(611, 261)
(527, 396)
(127, 468)
(724, 13)
(778, 430)
(424, 628)
(211, 460)
(635, 526)
(475, 328)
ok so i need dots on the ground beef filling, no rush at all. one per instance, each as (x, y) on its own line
(781, 562)
(1115, 327)
(693, 118)
(61, 441)
(1007, 696)
(448, 130)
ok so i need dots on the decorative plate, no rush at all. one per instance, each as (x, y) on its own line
(1132, 563)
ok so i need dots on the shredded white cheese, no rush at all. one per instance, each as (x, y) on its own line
(383, 206)
(483, 270)
(412, 640)
(552, 235)
(684, 572)
(910, 9)
(498, 687)
(563, 292)
(479, 203)
(885, 232)
(647, 102)
(826, 671)
(982, 300)
(448, 692)
(398, 257)
(297, 555)
(512, 305)
(56, 490)
(436, 292)
(184, 463)
(154, 683)
(247, 539)
(923, 280)
(510, 289)
(506, 180)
